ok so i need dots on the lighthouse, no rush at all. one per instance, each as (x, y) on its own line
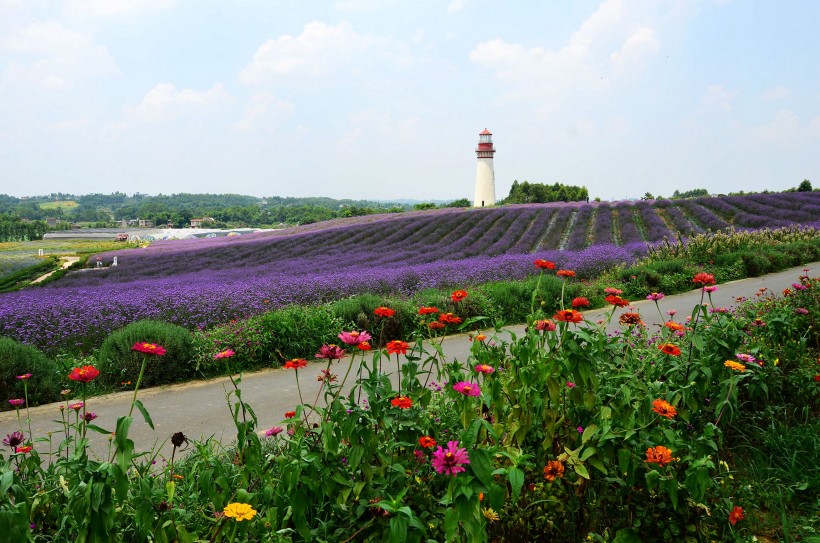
(484, 173)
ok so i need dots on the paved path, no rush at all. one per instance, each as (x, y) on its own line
(67, 261)
(199, 409)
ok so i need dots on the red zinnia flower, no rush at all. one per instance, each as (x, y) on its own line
(565, 273)
(617, 301)
(290, 414)
(659, 455)
(568, 315)
(427, 442)
(630, 318)
(428, 310)
(332, 352)
(435, 325)
(736, 515)
(397, 346)
(669, 348)
(704, 278)
(148, 348)
(382, 311)
(295, 364)
(23, 450)
(580, 302)
(364, 346)
(458, 295)
(85, 374)
(449, 318)
(545, 325)
(402, 402)
(553, 470)
(544, 264)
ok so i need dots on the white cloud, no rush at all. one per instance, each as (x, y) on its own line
(777, 93)
(116, 8)
(263, 110)
(165, 101)
(456, 6)
(716, 98)
(320, 49)
(786, 128)
(47, 54)
(640, 45)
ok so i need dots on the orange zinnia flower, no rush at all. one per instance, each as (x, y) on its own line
(553, 470)
(568, 315)
(402, 402)
(295, 364)
(449, 318)
(435, 325)
(674, 326)
(458, 295)
(565, 273)
(428, 310)
(736, 515)
(427, 442)
(664, 409)
(580, 301)
(630, 319)
(397, 346)
(544, 264)
(364, 346)
(704, 278)
(382, 311)
(617, 301)
(732, 365)
(669, 348)
(659, 455)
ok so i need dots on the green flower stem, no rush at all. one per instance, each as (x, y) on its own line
(85, 423)
(28, 415)
(139, 380)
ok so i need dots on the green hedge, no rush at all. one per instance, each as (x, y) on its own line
(18, 359)
(118, 364)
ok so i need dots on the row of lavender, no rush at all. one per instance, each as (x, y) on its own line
(199, 283)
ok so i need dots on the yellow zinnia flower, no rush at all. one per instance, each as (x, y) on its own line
(490, 515)
(239, 511)
(737, 366)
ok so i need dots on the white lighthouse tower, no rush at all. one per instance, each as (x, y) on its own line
(484, 173)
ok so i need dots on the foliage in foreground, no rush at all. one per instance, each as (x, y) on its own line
(562, 434)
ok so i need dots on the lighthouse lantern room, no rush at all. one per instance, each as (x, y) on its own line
(484, 175)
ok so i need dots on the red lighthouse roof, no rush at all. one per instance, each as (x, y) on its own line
(486, 133)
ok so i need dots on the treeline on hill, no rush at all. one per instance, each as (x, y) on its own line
(538, 193)
(13, 228)
(177, 210)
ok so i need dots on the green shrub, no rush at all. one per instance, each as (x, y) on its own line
(118, 363)
(298, 332)
(357, 312)
(18, 359)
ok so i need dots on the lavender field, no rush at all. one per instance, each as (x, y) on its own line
(203, 282)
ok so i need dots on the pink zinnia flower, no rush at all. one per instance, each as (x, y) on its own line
(227, 353)
(355, 338)
(710, 289)
(484, 368)
(468, 389)
(332, 352)
(90, 416)
(570, 384)
(17, 402)
(672, 312)
(76, 406)
(743, 357)
(450, 461)
(545, 325)
(275, 431)
(613, 291)
(24, 377)
(655, 296)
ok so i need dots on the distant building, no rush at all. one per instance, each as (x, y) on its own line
(142, 223)
(484, 174)
(52, 222)
(199, 223)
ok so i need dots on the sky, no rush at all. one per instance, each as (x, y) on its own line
(384, 99)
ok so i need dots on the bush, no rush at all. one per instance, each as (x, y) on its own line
(298, 332)
(18, 359)
(118, 363)
(357, 312)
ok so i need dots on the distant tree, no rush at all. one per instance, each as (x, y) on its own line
(462, 202)
(648, 196)
(694, 193)
(532, 193)
(805, 186)
(424, 205)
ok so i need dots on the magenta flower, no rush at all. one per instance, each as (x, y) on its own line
(355, 338)
(275, 431)
(17, 402)
(227, 353)
(468, 389)
(450, 461)
(24, 377)
(671, 312)
(570, 384)
(580, 429)
(801, 311)
(655, 296)
(331, 352)
(743, 357)
(90, 416)
(14, 439)
(799, 286)
(710, 289)
(484, 368)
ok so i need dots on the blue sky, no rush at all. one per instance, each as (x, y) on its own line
(384, 99)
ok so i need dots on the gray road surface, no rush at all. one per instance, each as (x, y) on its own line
(199, 409)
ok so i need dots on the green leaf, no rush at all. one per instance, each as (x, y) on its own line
(145, 414)
(597, 464)
(516, 478)
(589, 451)
(624, 456)
(581, 470)
(95, 428)
(652, 479)
(5, 481)
(627, 535)
(481, 466)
